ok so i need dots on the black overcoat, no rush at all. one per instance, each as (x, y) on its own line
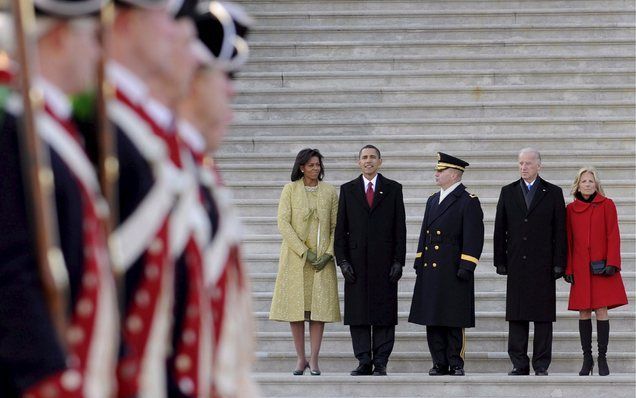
(452, 237)
(371, 239)
(530, 243)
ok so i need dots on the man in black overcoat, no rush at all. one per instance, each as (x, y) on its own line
(530, 247)
(370, 247)
(451, 241)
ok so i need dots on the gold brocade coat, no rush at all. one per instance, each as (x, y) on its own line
(294, 223)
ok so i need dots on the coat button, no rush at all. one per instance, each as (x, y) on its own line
(425, 247)
(438, 232)
(524, 257)
(436, 247)
(425, 264)
(525, 238)
(427, 231)
(434, 265)
(525, 220)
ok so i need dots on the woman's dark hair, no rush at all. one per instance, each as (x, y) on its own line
(302, 158)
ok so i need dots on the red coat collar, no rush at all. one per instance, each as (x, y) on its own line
(579, 206)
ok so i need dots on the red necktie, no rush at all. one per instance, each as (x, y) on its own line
(370, 194)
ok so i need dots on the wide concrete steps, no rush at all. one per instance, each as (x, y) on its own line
(419, 384)
(424, 94)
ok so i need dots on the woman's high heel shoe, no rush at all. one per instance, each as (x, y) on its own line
(314, 372)
(300, 372)
(588, 365)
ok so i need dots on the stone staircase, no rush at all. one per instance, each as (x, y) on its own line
(479, 79)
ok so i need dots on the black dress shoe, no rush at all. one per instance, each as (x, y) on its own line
(379, 370)
(364, 369)
(300, 372)
(540, 372)
(519, 372)
(456, 371)
(438, 370)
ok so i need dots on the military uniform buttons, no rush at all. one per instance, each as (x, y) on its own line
(425, 247)
(134, 324)
(84, 307)
(438, 232)
(186, 385)
(184, 363)
(71, 380)
(436, 247)
(427, 231)
(189, 337)
(425, 264)
(152, 271)
(142, 298)
(156, 246)
(75, 335)
(434, 265)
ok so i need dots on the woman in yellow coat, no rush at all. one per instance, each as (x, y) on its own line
(306, 285)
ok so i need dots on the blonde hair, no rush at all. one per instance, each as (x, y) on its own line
(597, 180)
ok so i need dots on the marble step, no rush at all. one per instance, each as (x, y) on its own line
(617, 26)
(408, 110)
(424, 94)
(476, 340)
(419, 384)
(567, 321)
(486, 280)
(420, 361)
(458, 78)
(389, 46)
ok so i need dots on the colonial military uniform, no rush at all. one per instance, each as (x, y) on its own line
(450, 243)
(34, 360)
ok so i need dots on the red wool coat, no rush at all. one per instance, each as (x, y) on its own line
(593, 234)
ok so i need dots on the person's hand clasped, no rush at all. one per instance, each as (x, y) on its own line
(311, 256)
(396, 272)
(558, 272)
(609, 270)
(322, 261)
(501, 270)
(347, 271)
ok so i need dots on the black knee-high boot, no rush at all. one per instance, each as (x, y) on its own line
(585, 332)
(602, 330)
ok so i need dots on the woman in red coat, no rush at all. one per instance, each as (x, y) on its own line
(593, 236)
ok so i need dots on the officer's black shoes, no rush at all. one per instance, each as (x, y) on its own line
(379, 370)
(438, 370)
(540, 372)
(456, 371)
(364, 369)
(519, 372)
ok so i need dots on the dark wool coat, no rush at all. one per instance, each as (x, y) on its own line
(593, 235)
(452, 237)
(371, 239)
(530, 243)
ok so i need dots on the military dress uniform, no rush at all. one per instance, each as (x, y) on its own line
(450, 244)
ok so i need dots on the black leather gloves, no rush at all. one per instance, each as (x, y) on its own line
(396, 272)
(464, 274)
(311, 256)
(558, 272)
(501, 270)
(609, 270)
(347, 271)
(569, 278)
(322, 261)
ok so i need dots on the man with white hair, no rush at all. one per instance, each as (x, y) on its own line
(38, 359)
(530, 247)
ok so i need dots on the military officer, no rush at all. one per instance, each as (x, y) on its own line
(37, 359)
(451, 241)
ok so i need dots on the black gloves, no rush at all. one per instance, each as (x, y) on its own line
(501, 270)
(396, 272)
(322, 261)
(464, 274)
(558, 272)
(609, 270)
(347, 271)
(311, 256)
(569, 278)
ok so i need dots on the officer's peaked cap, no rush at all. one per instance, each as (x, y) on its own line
(445, 161)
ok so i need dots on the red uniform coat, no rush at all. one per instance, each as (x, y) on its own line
(593, 235)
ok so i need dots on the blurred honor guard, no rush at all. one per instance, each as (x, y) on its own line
(36, 358)
(451, 241)
(143, 37)
(205, 115)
